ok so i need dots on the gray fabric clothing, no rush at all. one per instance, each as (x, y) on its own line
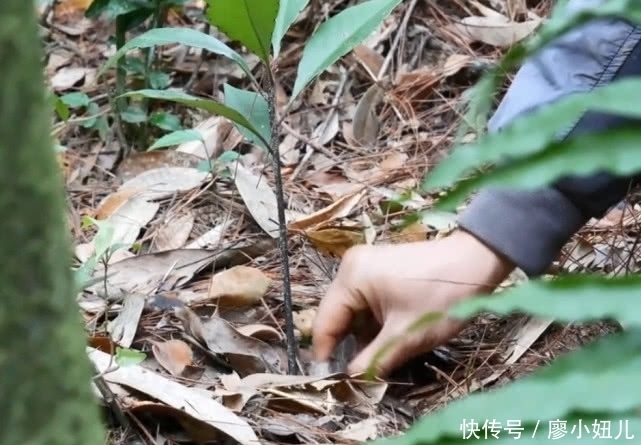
(531, 227)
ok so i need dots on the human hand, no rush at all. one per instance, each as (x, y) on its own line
(396, 284)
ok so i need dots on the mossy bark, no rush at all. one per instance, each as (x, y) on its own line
(45, 396)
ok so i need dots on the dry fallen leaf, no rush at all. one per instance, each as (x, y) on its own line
(496, 31)
(192, 402)
(260, 332)
(173, 355)
(174, 233)
(246, 355)
(303, 321)
(239, 286)
(339, 209)
(370, 60)
(335, 240)
(259, 198)
(365, 122)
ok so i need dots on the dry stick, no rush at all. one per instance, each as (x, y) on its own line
(292, 358)
(397, 39)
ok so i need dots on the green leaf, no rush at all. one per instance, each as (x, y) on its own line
(578, 298)
(250, 22)
(227, 157)
(614, 151)
(254, 107)
(62, 110)
(518, 139)
(75, 100)
(134, 115)
(129, 357)
(592, 383)
(177, 137)
(183, 36)
(339, 35)
(165, 121)
(112, 8)
(287, 12)
(204, 104)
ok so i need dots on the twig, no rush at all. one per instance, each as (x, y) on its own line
(397, 39)
(292, 359)
(312, 147)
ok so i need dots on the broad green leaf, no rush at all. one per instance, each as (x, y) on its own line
(177, 137)
(287, 13)
(165, 121)
(204, 104)
(254, 107)
(134, 115)
(250, 22)
(114, 8)
(339, 35)
(129, 357)
(579, 298)
(592, 383)
(75, 100)
(615, 151)
(533, 132)
(182, 36)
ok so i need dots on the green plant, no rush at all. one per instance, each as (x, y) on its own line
(260, 26)
(128, 15)
(588, 390)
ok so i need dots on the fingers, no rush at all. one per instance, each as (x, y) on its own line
(332, 321)
(391, 350)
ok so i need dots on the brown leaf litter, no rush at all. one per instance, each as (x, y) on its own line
(196, 285)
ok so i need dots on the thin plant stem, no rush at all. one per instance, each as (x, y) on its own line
(292, 359)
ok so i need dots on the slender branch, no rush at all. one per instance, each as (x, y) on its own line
(292, 361)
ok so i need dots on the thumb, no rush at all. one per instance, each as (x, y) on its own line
(391, 348)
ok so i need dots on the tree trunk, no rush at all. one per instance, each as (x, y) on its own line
(45, 396)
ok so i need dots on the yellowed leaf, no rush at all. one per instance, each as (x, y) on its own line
(335, 241)
(173, 355)
(260, 331)
(239, 286)
(369, 59)
(413, 232)
(113, 202)
(338, 209)
(303, 321)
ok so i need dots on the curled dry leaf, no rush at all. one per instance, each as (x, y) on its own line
(339, 209)
(365, 122)
(239, 286)
(260, 332)
(303, 321)
(335, 240)
(173, 355)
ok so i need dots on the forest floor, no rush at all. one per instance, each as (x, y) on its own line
(193, 304)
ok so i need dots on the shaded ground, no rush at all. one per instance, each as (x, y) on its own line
(205, 224)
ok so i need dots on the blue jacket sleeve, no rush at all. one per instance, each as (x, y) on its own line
(531, 227)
